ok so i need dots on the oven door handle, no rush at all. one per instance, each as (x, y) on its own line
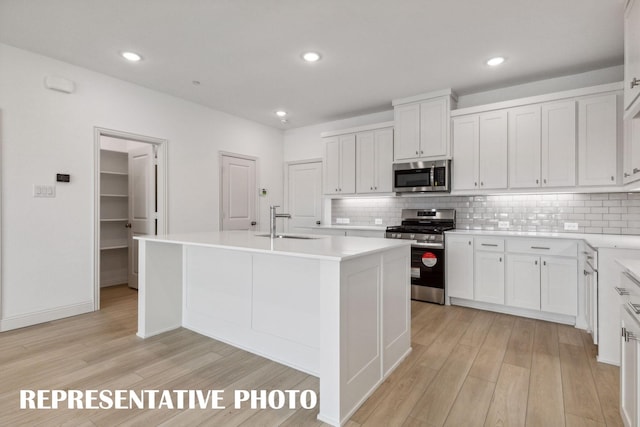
(427, 245)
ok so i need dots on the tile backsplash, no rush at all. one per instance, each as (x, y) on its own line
(608, 213)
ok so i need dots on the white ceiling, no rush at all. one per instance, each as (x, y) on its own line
(246, 53)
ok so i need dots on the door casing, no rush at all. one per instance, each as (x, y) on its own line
(162, 151)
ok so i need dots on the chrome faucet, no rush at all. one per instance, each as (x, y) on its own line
(273, 215)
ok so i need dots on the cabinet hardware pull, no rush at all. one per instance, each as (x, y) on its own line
(634, 307)
(635, 82)
(416, 152)
(585, 272)
(370, 188)
(624, 332)
(421, 152)
(469, 242)
(621, 291)
(544, 181)
(636, 170)
(536, 262)
(630, 277)
(475, 184)
(539, 247)
(537, 181)
(500, 259)
(482, 183)
(544, 262)
(589, 257)
(489, 244)
(612, 178)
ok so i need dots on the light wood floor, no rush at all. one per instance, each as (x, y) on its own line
(467, 368)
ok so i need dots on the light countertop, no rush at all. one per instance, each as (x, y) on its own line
(350, 227)
(597, 241)
(321, 247)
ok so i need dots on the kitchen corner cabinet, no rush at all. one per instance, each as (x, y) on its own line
(480, 151)
(374, 156)
(339, 165)
(114, 216)
(598, 140)
(629, 369)
(422, 129)
(632, 58)
(459, 266)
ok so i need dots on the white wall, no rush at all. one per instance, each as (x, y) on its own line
(305, 142)
(47, 243)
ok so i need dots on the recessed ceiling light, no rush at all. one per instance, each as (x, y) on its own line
(495, 61)
(281, 113)
(311, 56)
(131, 56)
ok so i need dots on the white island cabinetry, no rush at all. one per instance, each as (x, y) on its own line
(334, 307)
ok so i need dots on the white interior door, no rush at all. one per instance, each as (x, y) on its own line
(142, 209)
(304, 190)
(239, 189)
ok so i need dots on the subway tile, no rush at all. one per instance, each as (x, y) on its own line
(597, 230)
(611, 230)
(593, 203)
(596, 217)
(617, 196)
(601, 196)
(602, 210)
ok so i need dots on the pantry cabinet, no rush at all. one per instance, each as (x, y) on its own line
(422, 126)
(374, 157)
(459, 266)
(632, 58)
(339, 165)
(480, 151)
(597, 140)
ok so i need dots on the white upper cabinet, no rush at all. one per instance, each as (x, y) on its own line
(493, 150)
(340, 160)
(374, 156)
(422, 127)
(480, 151)
(632, 58)
(524, 147)
(631, 158)
(466, 142)
(597, 140)
(558, 141)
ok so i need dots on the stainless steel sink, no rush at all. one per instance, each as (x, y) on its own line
(288, 236)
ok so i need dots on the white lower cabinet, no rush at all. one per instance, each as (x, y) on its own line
(559, 285)
(629, 369)
(459, 266)
(514, 275)
(523, 281)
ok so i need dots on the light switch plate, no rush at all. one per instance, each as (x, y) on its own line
(503, 224)
(378, 221)
(571, 226)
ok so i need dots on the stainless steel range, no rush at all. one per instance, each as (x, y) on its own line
(426, 227)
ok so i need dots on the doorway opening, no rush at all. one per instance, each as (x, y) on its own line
(130, 200)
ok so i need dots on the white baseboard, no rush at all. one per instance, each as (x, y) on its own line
(523, 312)
(29, 319)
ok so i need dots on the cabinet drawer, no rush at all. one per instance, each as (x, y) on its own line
(489, 244)
(544, 247)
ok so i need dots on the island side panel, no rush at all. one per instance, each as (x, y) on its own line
(396, 308)
(263, 303)
(159, 287)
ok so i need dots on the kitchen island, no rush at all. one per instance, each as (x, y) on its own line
(335, 307)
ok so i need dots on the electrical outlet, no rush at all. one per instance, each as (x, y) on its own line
(339, 220)
(503, 224)
(571, 226)
(378, 221)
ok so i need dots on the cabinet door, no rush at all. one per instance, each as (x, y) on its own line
(383, 171)
(465, 152)
(489, 277)
(347, 164)
(493, 150)
(365, 166)
(524, 147)
(559, 144)
(407, 128)
(631, 150)
(332, 166)
(434, 125)
(459, 266)
(559, 285)
(628, 371)
(523, 281)
(631, 52)
(597, 140)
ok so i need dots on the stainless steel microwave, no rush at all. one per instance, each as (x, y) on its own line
(422, 177)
